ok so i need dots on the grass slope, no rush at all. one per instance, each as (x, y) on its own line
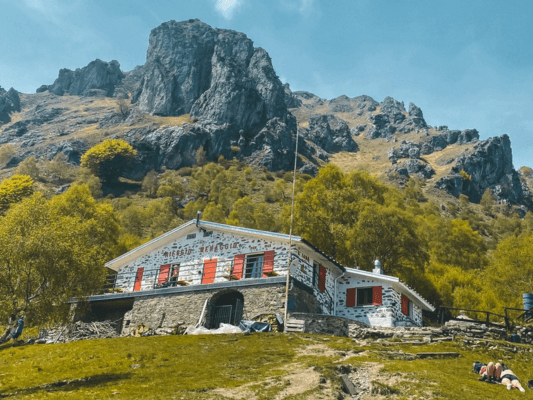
(247, 366)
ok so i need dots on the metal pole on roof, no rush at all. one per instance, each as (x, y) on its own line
(290, 237)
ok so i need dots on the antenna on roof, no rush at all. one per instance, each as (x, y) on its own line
(290, 233)
(198, 213)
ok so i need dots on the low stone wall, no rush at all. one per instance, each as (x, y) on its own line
(175, 311)
(327, 324)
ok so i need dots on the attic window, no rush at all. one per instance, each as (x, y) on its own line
(191, 236)
(208, 233)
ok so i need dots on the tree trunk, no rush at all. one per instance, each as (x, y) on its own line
(7, 334)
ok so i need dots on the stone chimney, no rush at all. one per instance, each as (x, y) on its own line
(377, 268)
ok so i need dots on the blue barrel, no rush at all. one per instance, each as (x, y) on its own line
(528, 303)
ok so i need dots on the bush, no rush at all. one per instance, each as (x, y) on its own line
(108, 159)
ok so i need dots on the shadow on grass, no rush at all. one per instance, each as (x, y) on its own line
(71, 385)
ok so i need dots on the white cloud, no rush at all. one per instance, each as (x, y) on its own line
(227, 8)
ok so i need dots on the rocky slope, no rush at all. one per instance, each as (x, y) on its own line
(211, 88)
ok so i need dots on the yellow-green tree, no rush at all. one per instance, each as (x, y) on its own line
(108, 159)
(52, 251)
(511, 271)
(14, 189)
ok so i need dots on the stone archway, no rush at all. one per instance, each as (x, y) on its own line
(227, 308)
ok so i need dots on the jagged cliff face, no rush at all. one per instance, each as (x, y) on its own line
(213, 74)
(96, 79)
(489, 165)
(235, 106)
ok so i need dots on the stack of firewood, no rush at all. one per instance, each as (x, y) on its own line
(78, 331)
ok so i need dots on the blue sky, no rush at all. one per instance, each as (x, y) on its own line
(466, 64)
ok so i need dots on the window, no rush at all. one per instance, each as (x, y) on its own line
(254, 266)
(407, 306)
(364, 296)
(174, 273)
(191, 236)
(315, 274)
(208, 233)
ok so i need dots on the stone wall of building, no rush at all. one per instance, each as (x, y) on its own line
(388, 314)
(168, 311)
(192, 250)
(302, 270)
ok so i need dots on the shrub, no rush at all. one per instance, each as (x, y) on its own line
(108, 159)
(465, 175)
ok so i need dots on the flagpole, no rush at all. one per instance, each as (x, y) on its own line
(290, 236)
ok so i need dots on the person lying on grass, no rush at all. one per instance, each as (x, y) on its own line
(498, 374)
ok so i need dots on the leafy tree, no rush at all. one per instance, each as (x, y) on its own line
(265, 219)
(59, 168)
(6, 152)
(511, 271)
(29, 167)
(488, 200)
(242, 213)
(453, 243)
(51, 251)
(108, 159)
(201, 156)
(388, 234)
(85, 177)
(150, 183)
(214, 212)
(14, 189)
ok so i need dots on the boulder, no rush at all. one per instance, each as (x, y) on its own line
(97, 78)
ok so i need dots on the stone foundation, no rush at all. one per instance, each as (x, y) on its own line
(182, 309)
(327, 324)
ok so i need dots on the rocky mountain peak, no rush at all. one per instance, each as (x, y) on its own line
(98, 78)
(213, 74)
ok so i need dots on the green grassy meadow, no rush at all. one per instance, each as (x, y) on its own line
(248, 366)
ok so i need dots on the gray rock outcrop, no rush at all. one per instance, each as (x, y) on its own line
(291, 101)
(329, 133)
(488, 165)
(413, 166)
(9, 103)
(175, 147)
(213, 74)
(393, 118)
(86, 81)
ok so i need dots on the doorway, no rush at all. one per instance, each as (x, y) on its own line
(228, 309)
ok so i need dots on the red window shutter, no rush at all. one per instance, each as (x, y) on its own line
(377, 297)
(138, 279)
(210, 269)
(350, 297)
(164, 271)
(322, 278)
(268, 262)
(238, 265)
(405, 305)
